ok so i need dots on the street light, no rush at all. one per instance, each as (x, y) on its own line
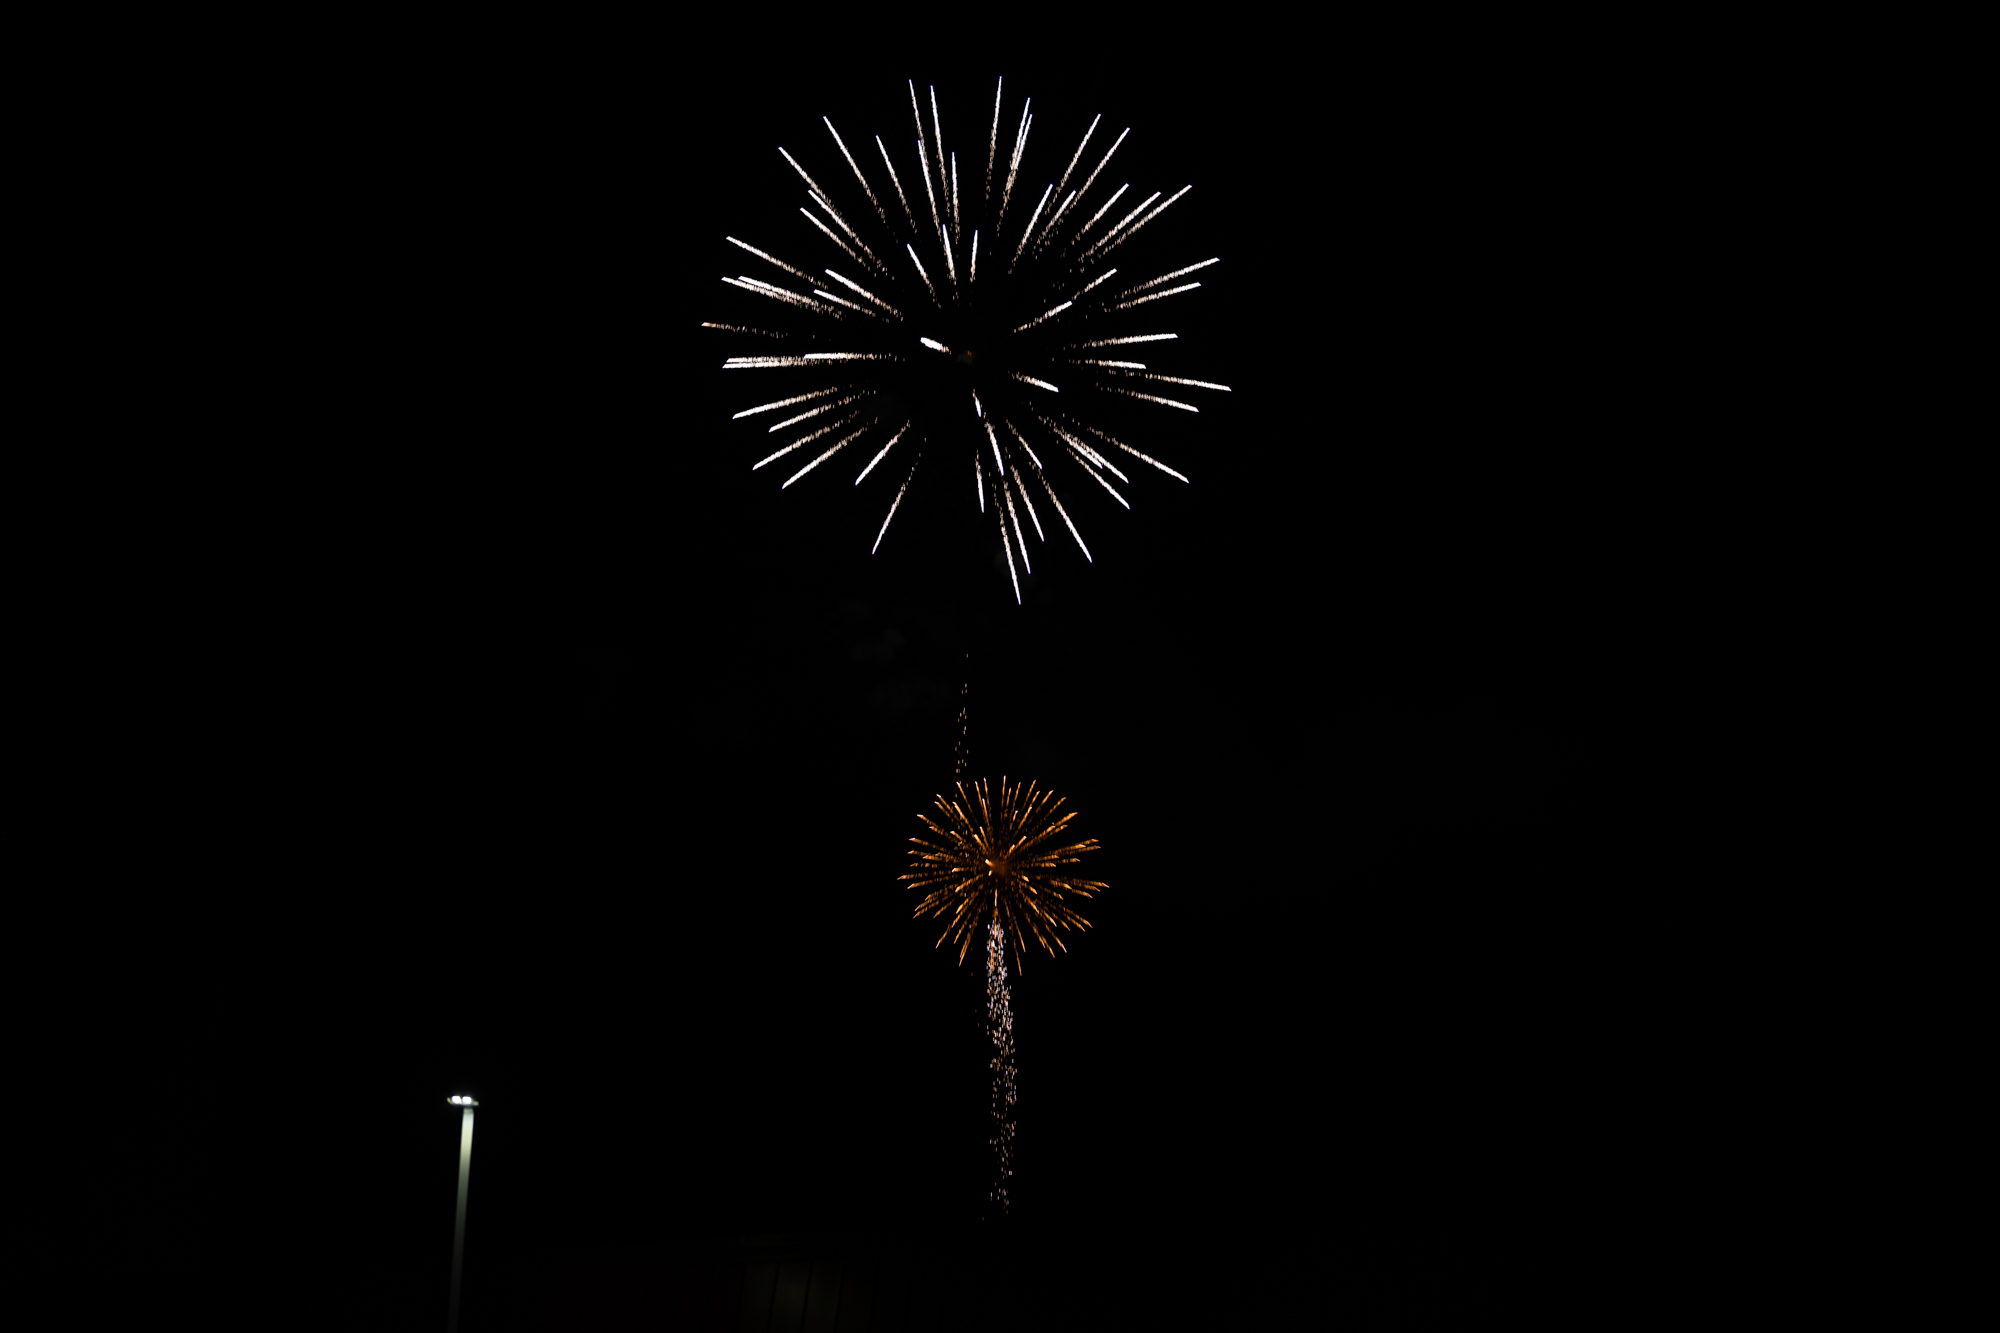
(464, 1178)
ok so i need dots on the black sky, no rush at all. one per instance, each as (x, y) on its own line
(580, 760)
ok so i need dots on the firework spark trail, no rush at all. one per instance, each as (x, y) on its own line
(1120, 365)
(954, 198)
(925, 276)
(1156, 296)
(1030, 379)
(780, 294)
(1015, 476)
(1007, 494)
(1093, 282)
(973, 277)
(893, 503)
(865, 186)
(738, 328)
(897, 182)
(808, 439)
(1135, 338)
(857, 287)
(1087, 455)
(1167, 277)
(1135, 453)
(1092, 178)
(810, 182)
(1087, 451)
(992, 145)
(763, 362)
(1094, 217)
(1092, 473)
(1000, 1031)
(1000, 464)
(1048, 228)
(885, 453)
(1151, 398)
(772, 259)
(843, 301)
(951, 269)
(937, 143)
(923, 157)
(1008, 547)
(1014, 164)
(813, 412)
(1074, 158)
(1106, 238)
(979, 480)
(1024, 444)
(1044, 315)
(785, 402)
(844, 441)
(852, 234)
(759, 285)
(960, 750)
(1069, 170)
(1113, 240)
(845, 248)
(1029, 230)
(1065, 513)
(929, 193)
(1176, 379)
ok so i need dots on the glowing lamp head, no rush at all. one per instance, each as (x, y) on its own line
(462, 1101)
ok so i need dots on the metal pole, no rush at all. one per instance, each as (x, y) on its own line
(458, 1229)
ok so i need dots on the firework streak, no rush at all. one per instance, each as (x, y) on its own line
(921, 343)
(1000, 1030)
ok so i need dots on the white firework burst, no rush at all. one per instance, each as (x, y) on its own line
(956, 318)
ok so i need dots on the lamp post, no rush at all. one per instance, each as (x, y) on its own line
(464, 1179)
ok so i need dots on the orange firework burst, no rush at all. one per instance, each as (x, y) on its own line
(994, 863)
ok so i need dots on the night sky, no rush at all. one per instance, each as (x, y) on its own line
(584, 759)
